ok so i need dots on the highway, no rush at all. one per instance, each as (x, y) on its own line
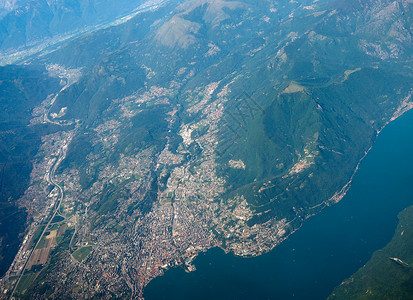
(53, 213)
(50, 178)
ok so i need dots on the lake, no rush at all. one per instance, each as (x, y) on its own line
(327, 249)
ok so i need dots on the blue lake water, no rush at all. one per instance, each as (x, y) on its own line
(327, 249)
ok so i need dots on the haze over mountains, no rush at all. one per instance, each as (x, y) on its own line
(190, 125)
(26, 23)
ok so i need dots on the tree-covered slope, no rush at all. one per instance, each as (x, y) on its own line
(22, 89)
(388, 274)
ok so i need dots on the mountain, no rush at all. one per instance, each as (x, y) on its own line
(22, 89)
(197, 124)
(25, 24)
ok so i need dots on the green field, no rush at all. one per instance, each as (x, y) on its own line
(25, 283)
(57, 219)
(36, 236)
(82, 253)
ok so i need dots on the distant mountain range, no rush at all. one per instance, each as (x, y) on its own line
(25, 23)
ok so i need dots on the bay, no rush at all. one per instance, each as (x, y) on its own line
(327, 249)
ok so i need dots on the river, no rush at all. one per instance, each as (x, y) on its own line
(327, 249)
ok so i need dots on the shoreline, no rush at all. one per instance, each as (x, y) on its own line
(404, 107)
(337, 197)
(400, 111)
